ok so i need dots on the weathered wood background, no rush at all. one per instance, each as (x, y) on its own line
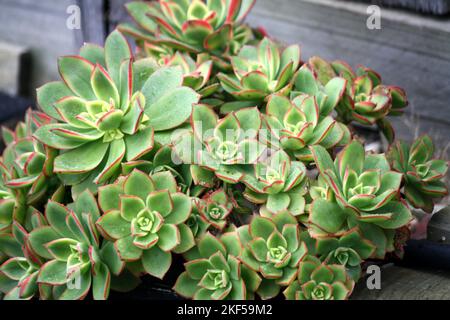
(399, 283)
(41, 27)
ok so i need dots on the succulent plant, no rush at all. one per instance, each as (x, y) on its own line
(215, 208)
(272, 247)
(29, 164)
(192, 26)
(422, 174)
(160, 159)
(365, 105)
(77, 258)
(19, 273)
(23, 129)
(216, 273)
(261, 70)
(221, 145)
(196, 222)
(319, 189)
(319, 281)
(365, 194)
(107, 113)
(196, 74)
(145, 216)
(327, 94)
(366, 99)
(12, 205)
(298, 124)
(349, 251)
(200, 176)
(278, 183)
(364, 79)
(25, 168)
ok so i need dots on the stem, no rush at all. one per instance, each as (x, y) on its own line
(20, 209)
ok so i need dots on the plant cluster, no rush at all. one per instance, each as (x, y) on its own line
(213, 142)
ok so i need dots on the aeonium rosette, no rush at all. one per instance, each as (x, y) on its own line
(196, 73)
(366, 99)
(319, 281)
(327, 95)
(25, 171)
(78, 260)
(298, 124)
(365, 194)
(215, 207)
(109, 107)
(193, 26)
(216, 143)
(364, 103)
(214, 272)
(349, 250)
(19, 272)
(222, 146)
(273, 248)
(196, 221)
(278, 183)
(422, 174)
(29, 162)
(366, 81)
(261, 70)
(145, 217)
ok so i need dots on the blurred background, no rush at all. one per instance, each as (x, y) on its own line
(410, 46)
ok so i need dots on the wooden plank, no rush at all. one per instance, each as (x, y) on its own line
(437, 7)
(439, 226)
(42, 6)
(42, 28)
(14, 71)
(343, 19)
(93, 22)
(398, 283)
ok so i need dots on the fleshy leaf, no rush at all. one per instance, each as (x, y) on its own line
(83, 159)
(117, 50)
(76, 73)
(156, 262)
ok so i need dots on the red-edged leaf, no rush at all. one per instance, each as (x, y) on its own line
(76, 73)
(103, 86)
(126, 83)
(115, 155)
(117, 50)
(197, 30)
